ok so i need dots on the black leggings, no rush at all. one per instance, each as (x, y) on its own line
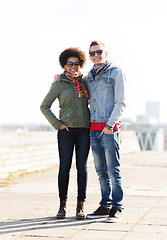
(78, 137)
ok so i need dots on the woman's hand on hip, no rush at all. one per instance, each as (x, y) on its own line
(63, 126)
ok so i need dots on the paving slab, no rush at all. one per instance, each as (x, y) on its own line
(29, 204)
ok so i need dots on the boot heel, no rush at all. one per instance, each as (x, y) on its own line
(80, 210)
(62, 210)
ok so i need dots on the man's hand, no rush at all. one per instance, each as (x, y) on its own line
(106, 131)
(63, 126)
(57, 78)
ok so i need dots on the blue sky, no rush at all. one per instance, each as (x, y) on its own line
(34, 32)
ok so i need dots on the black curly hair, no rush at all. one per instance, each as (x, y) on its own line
(72, 52)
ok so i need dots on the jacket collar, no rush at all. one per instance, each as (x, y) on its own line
(97, 70)
(63, 78)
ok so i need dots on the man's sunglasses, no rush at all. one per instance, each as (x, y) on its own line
(70, 64)
(92, 53)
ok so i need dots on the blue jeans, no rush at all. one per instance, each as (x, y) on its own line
(78, 138)
(105, 151)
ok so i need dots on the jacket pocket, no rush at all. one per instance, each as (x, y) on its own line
(67, 114)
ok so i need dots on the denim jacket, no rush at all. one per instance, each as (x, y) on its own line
(107, 95)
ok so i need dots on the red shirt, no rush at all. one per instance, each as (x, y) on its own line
(97, 126)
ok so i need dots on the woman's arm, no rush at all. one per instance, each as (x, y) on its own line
(46, 106)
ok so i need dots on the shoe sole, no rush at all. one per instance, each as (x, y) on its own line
(97, 216)
(113, 220)
(60, 217)
(80, 218)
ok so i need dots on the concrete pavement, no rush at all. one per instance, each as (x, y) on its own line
(29, 204)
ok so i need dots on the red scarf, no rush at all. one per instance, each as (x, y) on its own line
(81, 90)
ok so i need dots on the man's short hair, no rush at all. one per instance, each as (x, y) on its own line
(95, 42)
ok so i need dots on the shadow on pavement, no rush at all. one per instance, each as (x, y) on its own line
(40, 223)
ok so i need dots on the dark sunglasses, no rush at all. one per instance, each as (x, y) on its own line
(70, 64)
(92, 53)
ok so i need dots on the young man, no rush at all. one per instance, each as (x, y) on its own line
(106, 84)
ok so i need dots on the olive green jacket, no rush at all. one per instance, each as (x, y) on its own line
(74, 111)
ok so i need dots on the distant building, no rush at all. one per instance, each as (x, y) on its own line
(142, 119)
(152, 112)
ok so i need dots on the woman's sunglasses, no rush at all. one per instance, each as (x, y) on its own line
(92, 53)
(70, 64)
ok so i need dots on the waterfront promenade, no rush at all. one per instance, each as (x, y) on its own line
(29, 204)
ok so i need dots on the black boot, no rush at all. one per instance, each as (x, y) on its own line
(80, 210)
(62, 210)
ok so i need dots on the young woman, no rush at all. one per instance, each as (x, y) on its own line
(73, 125)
